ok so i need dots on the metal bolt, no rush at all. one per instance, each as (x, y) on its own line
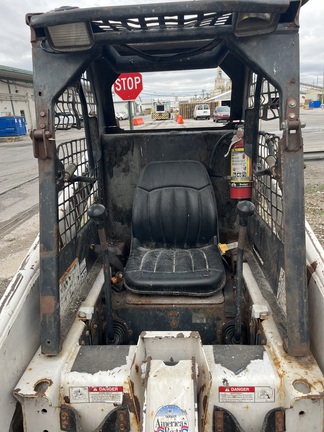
(292, 103)
(173, 324)
(292, 116)
(42, 114)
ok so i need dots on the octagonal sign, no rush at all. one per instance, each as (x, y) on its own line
(128, 86)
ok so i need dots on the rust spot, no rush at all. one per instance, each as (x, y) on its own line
(280, 421)
(47, 305)
(132, 401)
(205, 403)
(219, 421)
(314, 265)
(194, 334)
(136, 368)
(67, 399)
(310, 270)
(65, 274)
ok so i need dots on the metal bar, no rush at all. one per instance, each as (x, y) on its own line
(214, 58)
(50, 294)
(163, 35)
(295, 249)
(130, 115)
(124, 12)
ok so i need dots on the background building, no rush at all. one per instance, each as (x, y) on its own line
(17, 95)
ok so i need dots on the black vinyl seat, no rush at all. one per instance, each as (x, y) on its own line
(174, 224)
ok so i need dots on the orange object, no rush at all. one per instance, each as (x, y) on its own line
(180, 119)
(138, 121)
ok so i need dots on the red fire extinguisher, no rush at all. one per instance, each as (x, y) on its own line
(241, 168)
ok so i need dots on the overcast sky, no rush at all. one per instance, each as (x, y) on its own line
(15, 48)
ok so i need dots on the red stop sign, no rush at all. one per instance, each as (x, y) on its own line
(128, 86)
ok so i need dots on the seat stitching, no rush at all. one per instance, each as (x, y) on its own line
(206, 260)
(174, 263)
(156, 261)
(192, 261)
(143, 259)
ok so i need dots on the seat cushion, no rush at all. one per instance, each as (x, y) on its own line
(174, 224)
(174, 205)
(195, 271)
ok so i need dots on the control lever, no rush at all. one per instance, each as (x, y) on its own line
(244, 209)
(71, 178)
(97, 212)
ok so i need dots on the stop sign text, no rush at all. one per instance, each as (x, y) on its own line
(128, 86)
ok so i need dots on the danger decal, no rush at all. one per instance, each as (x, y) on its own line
(96, 394)
(258, 394)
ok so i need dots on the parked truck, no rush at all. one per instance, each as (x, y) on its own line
(174, 285)
(161, 110)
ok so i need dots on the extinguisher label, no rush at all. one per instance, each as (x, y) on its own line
(240, 165)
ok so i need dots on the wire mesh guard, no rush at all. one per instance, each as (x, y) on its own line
(160, 21)
(267, 194)
(76, 195)
(68, 108)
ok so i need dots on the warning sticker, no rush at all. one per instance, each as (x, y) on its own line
(97, 394)
(246, 394)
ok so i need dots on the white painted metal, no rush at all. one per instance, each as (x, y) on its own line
(19, 330)
(184, 350)
(273, 381)
(315, 265)
(170, 396)
(249, 394)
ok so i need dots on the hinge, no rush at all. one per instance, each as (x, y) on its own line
(40, 139)
(292, 127)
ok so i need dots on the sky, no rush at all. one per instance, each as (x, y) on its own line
(15, 48)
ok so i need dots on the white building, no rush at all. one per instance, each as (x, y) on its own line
(17, 95)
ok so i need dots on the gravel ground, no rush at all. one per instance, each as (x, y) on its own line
(314, 197)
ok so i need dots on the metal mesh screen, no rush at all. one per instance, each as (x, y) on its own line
(76, 197)
(267, 195)
(161, 21)
(68, 108)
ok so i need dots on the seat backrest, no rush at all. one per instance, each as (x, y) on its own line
(174, 205)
